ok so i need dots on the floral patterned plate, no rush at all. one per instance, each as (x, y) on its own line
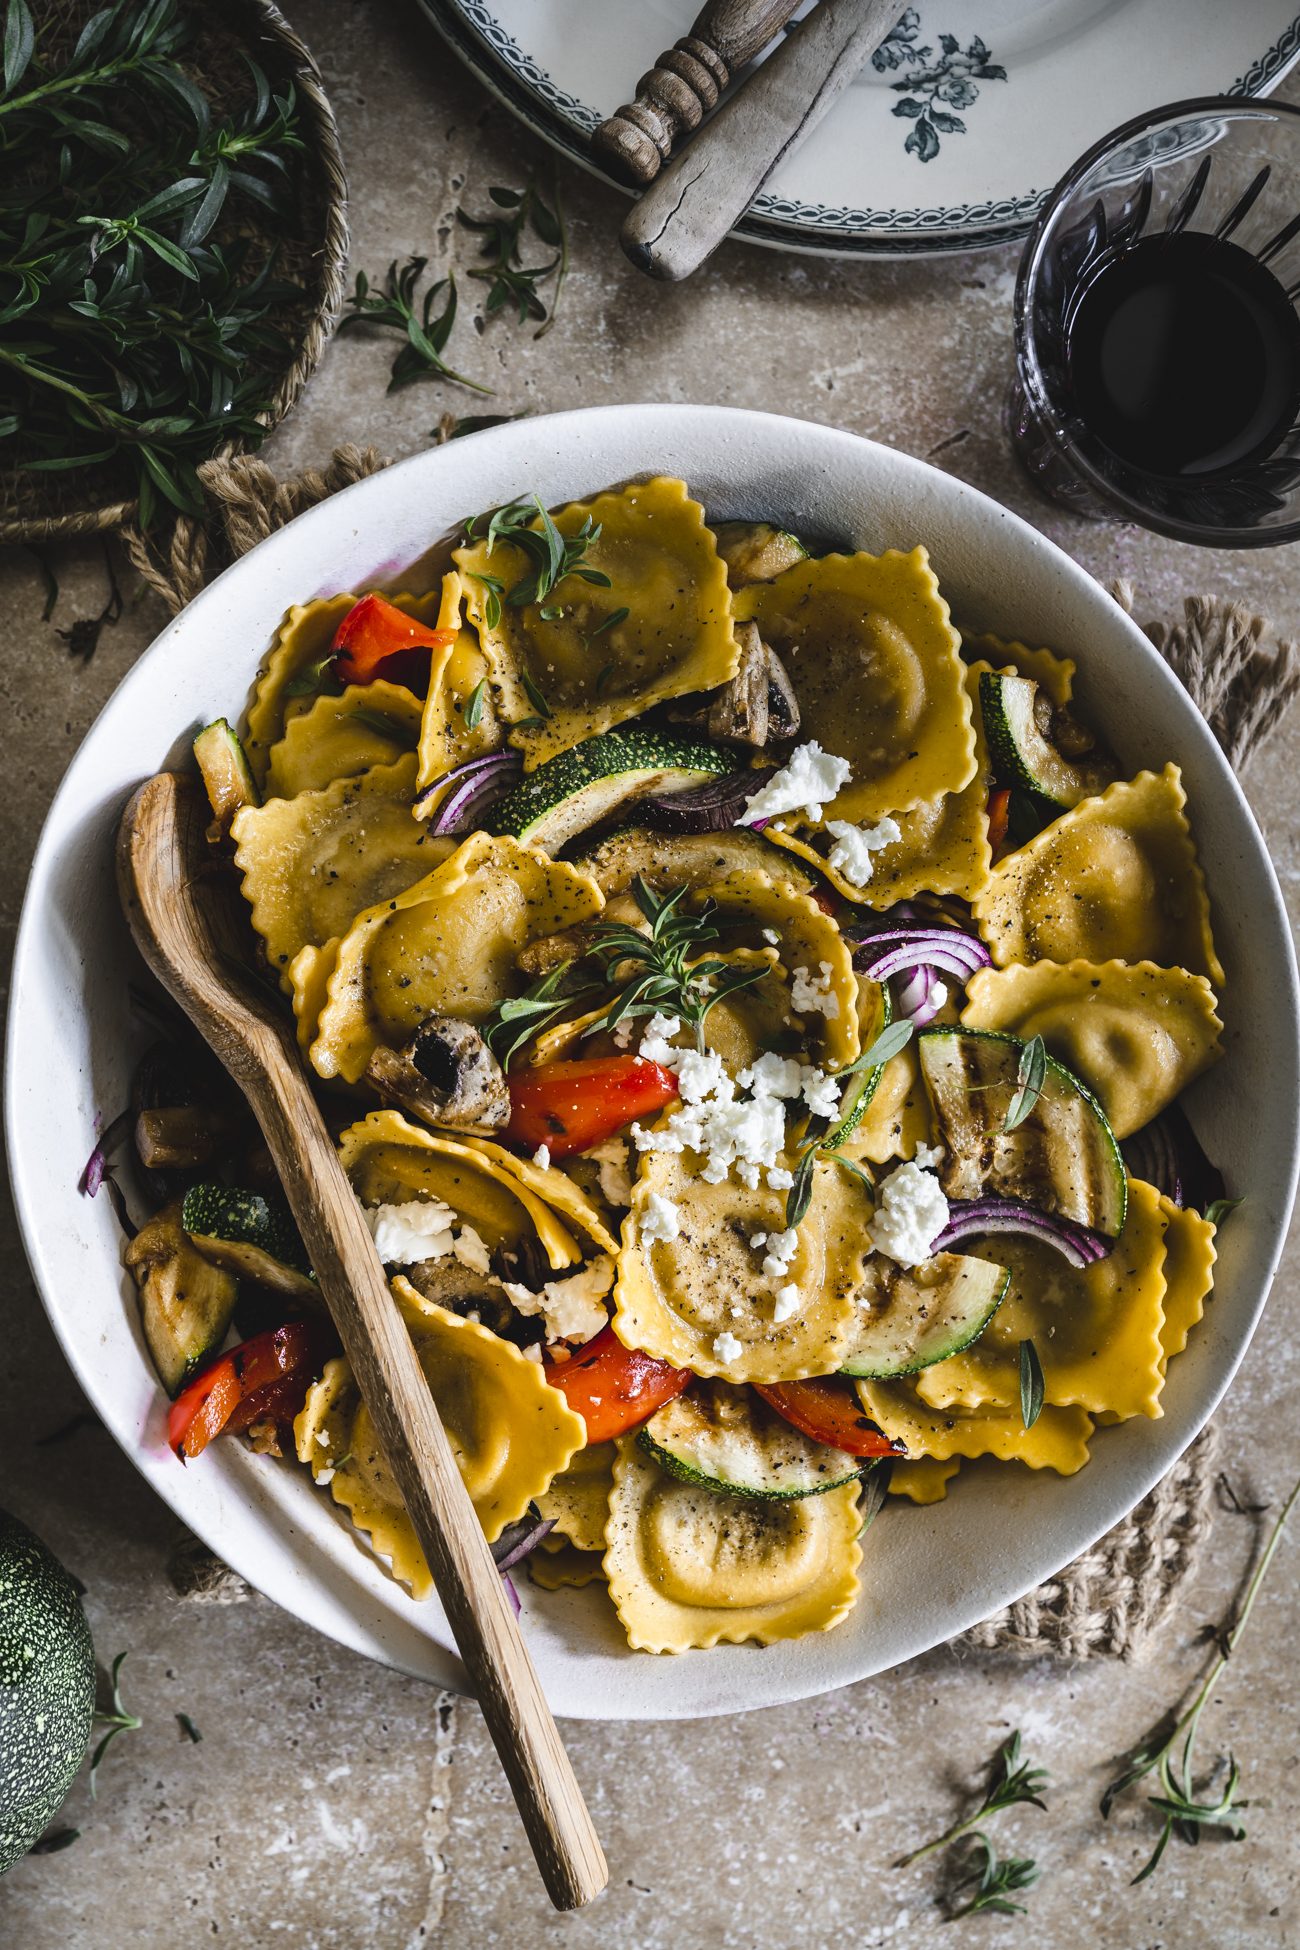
(952, 134)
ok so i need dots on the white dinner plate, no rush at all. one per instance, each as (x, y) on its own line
(928, 1573)
(949, 138)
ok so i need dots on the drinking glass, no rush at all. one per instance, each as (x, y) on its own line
(1217, 168)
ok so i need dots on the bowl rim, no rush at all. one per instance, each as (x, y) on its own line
(572, 431)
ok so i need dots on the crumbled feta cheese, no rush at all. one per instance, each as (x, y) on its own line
(771, 937)
(774, 1076)
(471, 1251)
(781, 1249)
(324, 1476)
(911, 1211)
(726, 1348)
(660, 1218)
(615, 1179)
(323, 1437)
(805, 782)
(786, 1303)
(758, 1239)
(542, 1156)
(821, 1092)
(748, 1175)
(779, 1179)
(533, 1352)
(656, 1041)
(700, 1076)
(416, 1230)
(854, 846)
(812, 994)
(571, 1309)
(623, 1032)
(938, 994)
(928, 1155)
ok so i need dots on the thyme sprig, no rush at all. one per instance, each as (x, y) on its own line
(551, 556)
(1012, 1783)
(501, 236)
(394, 307)
(986, 1880)
(1183, 1813)
(117, 1720)
(655, 973)
(136, 334)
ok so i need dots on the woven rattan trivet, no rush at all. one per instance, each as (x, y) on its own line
(1106, 1603)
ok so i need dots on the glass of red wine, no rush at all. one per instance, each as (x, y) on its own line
(1157, 335)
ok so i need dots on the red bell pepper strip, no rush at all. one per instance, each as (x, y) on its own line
(827, 1410)
(999, 810)
(614, 1388)
(268, 1374)
(571, 1106)
(374, 633)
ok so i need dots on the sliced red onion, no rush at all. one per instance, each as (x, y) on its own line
(914, 996)
(511, 1593)
(1168, 1154)
(516, 1546)
(896, 951)
(471, 788)
(967, 1218)
(714, 807)
(96, 1169)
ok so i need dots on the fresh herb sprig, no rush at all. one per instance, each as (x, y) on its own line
(117, 1720)
(1012, 1783)
(394, 307)
(857, 1077)
(137, 334)
(1031, 1075)
(986, 1881)
(519, 1018)
(501, 236)
(1032, 1385)
(655, 973)
(551, 556)
(1170, 1755)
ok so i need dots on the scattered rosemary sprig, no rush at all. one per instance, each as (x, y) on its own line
(501, 239)
(551, 556)
(986, 1881)
(654, 973)
(136, 323)
(117, 1721)
(858, 1078)
(1031, 1384)
(1031, 1075)
(1183, 1814)
(519, 1018)
(1012, 1783)
(426, 331)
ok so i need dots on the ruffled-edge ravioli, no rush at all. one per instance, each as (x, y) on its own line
(944, 844)
(809, 940)
(898, 1118)
(1115, 878)
(1135, 1033)
(1055, 675)
(1058, 1439)
(577, 1499)
(667, 589)
(310, 864)
(1097, 1328)
(688, 1569)
(446, 946)
(674, 1298)
(304, 638)
(447, 738)
(876, 667)
(365, 725)
(924, 1480)
(1189, 1274)
(390, 1160)
(565, 1568)
(511, 1432)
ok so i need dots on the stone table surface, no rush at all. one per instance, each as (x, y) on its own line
(333, 1804)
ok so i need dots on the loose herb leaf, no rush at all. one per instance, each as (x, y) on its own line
(55, 1842)
(426, 332)
(1031, 1075)
(1031, 1384)
(799, 1197)
(512, 283)
(615, 616)
(1012, 1783)
(887, 1045)
(449, 427)
(986, 1881)
(474, 705)
(1218, 1209)
(117, 1720)
(535, 695)
(1184, 1814)
(188, 1728)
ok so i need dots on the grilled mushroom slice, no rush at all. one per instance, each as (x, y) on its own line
(453, 1285)
(758, 705)
(446, 1075)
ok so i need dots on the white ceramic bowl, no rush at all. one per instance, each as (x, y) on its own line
(928, 1573)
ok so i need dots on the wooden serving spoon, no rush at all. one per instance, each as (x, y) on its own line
(189, 932)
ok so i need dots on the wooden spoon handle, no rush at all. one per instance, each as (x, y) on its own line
(697, 199)
(674, 96)
(393, 1386)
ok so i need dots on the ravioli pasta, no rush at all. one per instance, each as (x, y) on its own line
(695, 1264)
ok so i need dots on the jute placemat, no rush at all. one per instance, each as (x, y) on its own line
(1107, 1602)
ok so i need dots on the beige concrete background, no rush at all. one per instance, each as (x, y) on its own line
(332, 1804)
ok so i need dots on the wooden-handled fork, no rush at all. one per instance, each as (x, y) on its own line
(187, 929)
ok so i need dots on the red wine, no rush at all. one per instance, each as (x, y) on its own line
(1183, 356)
